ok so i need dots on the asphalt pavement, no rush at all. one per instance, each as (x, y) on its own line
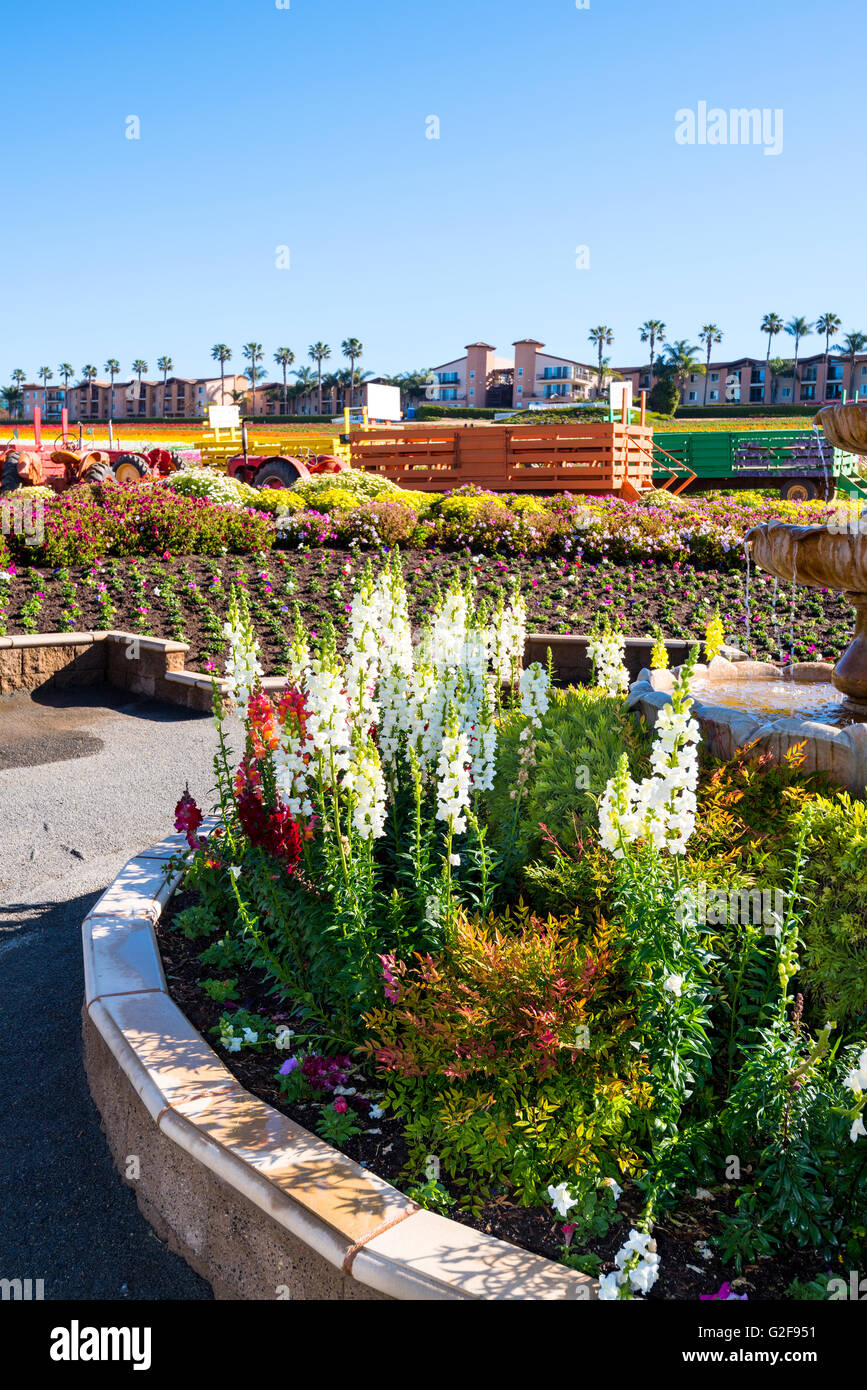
(87, 780)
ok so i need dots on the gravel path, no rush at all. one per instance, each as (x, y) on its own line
(86, 780)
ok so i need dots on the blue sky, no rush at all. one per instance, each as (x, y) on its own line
(305, 127)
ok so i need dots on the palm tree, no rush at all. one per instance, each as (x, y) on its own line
(139, 366)
(853, 343)
(679, 357)
(284, 357)
(165, 365)
(353, 349)
(798, 328)
(319, 353)
(18, 377)
(709, 335)
(13, 399)
(652, 331)
(89, 374)
(222, 354)
(112, 366)
(331, 384)
(602, 337)
(305, 381)
(66, 370)
(830, 325)
(253, 352)
(772, 324)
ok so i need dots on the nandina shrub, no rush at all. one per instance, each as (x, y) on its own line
(508, 1055)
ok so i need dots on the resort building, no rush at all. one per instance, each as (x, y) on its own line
(182, 397)
(747, 381)
(531, 376)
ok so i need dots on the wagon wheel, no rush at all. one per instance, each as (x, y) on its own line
(280, 471)
(798, 490)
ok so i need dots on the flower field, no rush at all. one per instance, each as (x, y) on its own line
(161, 559)
(557, 976)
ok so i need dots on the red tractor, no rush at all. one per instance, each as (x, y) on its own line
(281, 470)
(60, 469)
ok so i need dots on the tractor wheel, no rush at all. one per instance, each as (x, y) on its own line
(10, 480)
(280, 472)
(97, 470)
(798, 490)
(130, 468)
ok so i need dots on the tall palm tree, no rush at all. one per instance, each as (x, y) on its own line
(112, 366)
(681, 361)
(305, 381)
(602, 337)
(66, 370)
(652, 331)
(353, 349)
(709, 335)
(139, 366)
(222, 354)
(165, 365)
(830, 325)
(89, 374)
(319, 353)
(798, 328)
(284, 357)
(18, 377)
(772, 324)
(253, 354)
(853, 343)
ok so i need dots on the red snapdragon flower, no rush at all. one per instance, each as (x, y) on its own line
(188, 818)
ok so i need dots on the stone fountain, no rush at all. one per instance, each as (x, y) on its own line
(744, 702)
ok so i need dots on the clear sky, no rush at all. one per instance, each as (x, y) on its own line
(305, 127)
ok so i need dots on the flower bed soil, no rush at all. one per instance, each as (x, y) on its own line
(685, 1273)
(185, 598)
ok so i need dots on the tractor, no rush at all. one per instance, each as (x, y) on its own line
(60, 469)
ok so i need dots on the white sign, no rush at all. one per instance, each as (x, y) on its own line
(620, 397)
(224, 417)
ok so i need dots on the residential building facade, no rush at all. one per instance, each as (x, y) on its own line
(748, 381)
(530, 376)
(181, 398)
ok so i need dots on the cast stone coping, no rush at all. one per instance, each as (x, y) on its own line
(200, 1106)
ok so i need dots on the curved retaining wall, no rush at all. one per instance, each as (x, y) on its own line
(257, 1205)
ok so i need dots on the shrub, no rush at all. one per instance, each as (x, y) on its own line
(334, 498)
(354, 480)
(87, 523)
(381, 523)
(497, 1056)
(276, 499)
(216, 487)
(834, 929)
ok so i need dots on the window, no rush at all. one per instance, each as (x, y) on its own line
(713, 395)
(834, 392)
(472, 376)
(520, 371)
(757, 376)
(714, 376)
(808, 393)
(785, 392)
(809, 374)
(693, 395)
(520, 389)
(757, 394)
(447, 376)
(472, 390)
(835, 371)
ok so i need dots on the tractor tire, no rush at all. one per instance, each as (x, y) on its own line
(10, 480)
(280, 472)
(99, 471)
(799, 490)
(130, 468)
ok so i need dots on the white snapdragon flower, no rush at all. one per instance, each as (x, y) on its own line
(243, 668)
(507, 638)
(364, 782)
(857, 1129)
(606, 650)
(453, 776)
(328, 716)
(535, 685)
(857, 1077)
(674, 984)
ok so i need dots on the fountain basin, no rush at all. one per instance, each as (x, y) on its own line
(736, 705)
(823, 559)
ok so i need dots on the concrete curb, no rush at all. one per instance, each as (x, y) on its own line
(254, 1203)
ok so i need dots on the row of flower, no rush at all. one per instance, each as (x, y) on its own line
(474, 898)
(200, 511)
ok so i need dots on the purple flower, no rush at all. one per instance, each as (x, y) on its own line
(291, 1064)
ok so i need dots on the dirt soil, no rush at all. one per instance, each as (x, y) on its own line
(185, 598)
